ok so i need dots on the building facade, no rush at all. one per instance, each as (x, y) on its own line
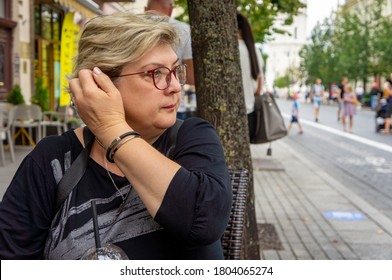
(32, 33)
(8, 24)
(360, 6)
(283, 50)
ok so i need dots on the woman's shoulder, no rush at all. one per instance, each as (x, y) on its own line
(69, 137)
(185, 132)
(53, 145)
(195, 120)
(197, 129)
(189, 128)
(195, 124)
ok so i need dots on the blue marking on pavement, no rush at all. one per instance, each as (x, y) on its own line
(344, 215)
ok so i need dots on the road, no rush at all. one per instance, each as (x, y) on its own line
(362, 159)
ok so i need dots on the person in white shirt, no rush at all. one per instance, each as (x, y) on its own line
(184, 50)
(250, 70)
(359, 91)
(318, 95)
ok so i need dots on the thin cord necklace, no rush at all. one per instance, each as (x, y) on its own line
(100, 143)
(124, 198)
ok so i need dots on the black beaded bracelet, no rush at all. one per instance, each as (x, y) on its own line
(125, 140)
(116, 141)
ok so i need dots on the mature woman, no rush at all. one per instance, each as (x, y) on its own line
(126, 88)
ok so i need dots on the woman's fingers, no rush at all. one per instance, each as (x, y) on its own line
(97, 100)
(89, 85)
(104, 82)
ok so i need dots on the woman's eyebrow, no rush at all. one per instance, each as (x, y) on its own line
(177, 60)
(157, 64)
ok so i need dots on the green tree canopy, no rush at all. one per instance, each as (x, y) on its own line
(352, 44)
(261, 14)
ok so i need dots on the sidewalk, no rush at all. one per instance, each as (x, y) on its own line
(299, 216)
(8, 170)
(305, 213)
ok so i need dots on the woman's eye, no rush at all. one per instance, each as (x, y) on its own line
(158, 73)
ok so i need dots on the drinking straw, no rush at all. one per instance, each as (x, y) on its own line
(95, 224)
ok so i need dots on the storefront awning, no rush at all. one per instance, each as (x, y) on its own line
(80, 7)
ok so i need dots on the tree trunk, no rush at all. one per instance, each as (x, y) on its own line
(219, 93)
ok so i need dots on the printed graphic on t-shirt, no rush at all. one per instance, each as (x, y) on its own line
(72, 232)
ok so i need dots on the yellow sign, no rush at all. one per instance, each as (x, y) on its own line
(69, 40)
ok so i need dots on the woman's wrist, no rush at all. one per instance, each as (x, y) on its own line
(118, 142)
(107, 136)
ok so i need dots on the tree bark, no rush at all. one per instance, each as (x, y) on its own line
(220, 98)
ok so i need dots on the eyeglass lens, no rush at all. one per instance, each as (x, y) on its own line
(162, 76)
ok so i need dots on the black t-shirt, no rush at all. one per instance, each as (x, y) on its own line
(341, 91)
(188, 224)
(375, 91)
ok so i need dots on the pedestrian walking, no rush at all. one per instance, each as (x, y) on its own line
(387, 126)
(349, 107)
(375, 95)
(359, 91)
(340, 95)
(308, 90)
(295, 114)
(318, 96)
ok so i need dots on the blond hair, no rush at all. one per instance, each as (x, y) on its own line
(112, 41)
(348, 88)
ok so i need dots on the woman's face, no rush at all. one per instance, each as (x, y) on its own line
(148, 109)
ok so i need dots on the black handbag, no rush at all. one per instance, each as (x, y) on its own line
(270, 125)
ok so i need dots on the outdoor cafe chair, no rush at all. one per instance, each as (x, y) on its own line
(233, 236)
(27, 117)
(5, 133)
(56, 119)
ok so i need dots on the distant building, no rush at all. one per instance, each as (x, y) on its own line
(283, 51)
(360, 6)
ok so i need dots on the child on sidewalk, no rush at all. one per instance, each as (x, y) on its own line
(295, 114)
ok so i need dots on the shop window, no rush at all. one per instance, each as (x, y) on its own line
(46, 18)
(5, 9)
(2, 9)
(2, 62)
(37, 20)
(48, 21)
(6, 29)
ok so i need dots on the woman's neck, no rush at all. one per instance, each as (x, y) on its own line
(98, 154)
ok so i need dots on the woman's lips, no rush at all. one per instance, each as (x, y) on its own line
(170, 107)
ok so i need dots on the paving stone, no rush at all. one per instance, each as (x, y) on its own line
(296, 200)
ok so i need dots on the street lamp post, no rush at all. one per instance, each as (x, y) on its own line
(366, 45)
(288, 74)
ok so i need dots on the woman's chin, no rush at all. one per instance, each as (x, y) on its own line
(167, 121)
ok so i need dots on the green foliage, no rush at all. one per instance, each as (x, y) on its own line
(382, 61)
(318, 58)
(15, 96)
(41, 96)
(282, 82)
(352, 44)
(261, 14)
